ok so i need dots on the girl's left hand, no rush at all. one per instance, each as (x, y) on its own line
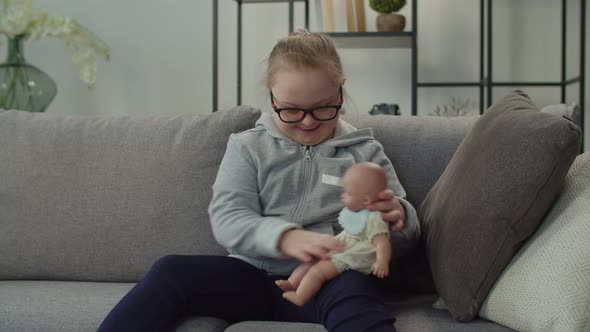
(391, 210)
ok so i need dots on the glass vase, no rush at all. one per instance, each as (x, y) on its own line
(23, 86)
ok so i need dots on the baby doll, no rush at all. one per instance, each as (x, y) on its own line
(366, 235)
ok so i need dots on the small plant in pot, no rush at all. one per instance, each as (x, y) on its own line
(388, 20)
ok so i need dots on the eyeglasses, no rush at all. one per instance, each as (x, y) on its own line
(320, 113)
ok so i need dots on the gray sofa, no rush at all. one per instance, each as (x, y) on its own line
(87, 204)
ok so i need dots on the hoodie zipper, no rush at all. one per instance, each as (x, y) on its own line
(306, 175)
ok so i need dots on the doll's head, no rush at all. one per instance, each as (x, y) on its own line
(361, 185)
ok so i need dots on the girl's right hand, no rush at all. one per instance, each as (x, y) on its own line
(308, 246)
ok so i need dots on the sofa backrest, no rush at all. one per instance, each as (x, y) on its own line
(419, 147)
(89, 198)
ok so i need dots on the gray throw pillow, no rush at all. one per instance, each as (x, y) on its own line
(492, 196)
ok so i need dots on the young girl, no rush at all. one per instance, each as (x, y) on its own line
(275, 204)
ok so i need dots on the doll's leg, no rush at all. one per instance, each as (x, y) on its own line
(294, 280)
(181, 286)
(312, 281)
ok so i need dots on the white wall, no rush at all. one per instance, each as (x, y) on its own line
(162, 57)
(160, 61)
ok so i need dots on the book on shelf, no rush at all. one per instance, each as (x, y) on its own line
(355, 15)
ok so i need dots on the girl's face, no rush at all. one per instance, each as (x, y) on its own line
(305, 89)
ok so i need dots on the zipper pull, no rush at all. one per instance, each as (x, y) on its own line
(307, 154)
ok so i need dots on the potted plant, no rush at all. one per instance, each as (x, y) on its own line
(388, 19)
(23, 86)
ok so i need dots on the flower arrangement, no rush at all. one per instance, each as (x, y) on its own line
(387, 6)
(18, 19)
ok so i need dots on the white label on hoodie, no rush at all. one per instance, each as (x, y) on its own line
(333, 180)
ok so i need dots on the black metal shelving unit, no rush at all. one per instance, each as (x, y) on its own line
(291, 26)
(564, 81)
(486, 82)
(343, 39)
(409, 39)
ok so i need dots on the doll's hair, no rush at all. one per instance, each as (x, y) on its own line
(303, 50)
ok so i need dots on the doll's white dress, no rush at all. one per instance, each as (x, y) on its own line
(359, 229)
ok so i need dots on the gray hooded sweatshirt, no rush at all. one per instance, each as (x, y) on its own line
(268, 184)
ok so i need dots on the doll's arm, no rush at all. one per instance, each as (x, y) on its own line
(383, 247)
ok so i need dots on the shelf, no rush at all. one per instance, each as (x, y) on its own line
(373, 39)
(529, 83)
(266, 1)
(448, 84)
(497, 83)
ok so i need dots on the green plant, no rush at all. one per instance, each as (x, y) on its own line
(19, 19)
(387, 6)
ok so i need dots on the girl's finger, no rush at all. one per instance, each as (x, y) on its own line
(330, 243)
(382, 206)
(304, 257)
(319, 252)
(392, 217)
(397, 226)
(386, 195)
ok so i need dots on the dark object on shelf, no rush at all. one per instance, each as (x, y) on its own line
(384, 108)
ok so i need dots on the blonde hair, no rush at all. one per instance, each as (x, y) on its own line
(305, 50)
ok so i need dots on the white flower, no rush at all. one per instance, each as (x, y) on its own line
(17, 17)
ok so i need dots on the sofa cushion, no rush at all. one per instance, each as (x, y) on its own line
(57, 305)
(267, 326)
(101, 198)
(71, 306)
(415, 313)
(412, 313)
(492, 196)
(546, 286)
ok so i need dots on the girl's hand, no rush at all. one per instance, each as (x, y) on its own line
(391, 210)
(308, 246)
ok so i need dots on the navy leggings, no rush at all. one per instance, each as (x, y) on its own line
(180, 286)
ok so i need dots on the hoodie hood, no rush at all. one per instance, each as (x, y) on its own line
(345, 134)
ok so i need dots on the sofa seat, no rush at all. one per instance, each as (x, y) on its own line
(70, 306)
(415, 313)
(81, 306)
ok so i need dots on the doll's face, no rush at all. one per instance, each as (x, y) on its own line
(353, 198)
(305, 89)
(361, 185)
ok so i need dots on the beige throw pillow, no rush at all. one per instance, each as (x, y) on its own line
(546, 286)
